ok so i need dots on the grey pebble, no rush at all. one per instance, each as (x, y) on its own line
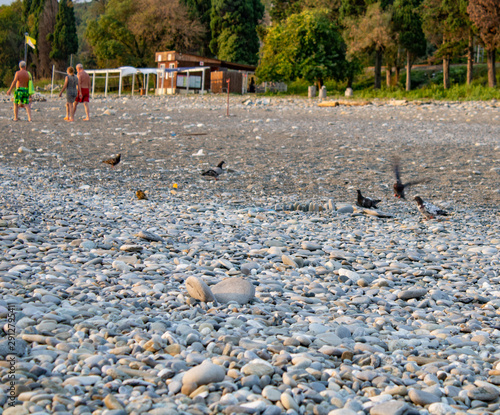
(234, 289)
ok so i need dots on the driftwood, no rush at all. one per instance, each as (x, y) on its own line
(344, 103)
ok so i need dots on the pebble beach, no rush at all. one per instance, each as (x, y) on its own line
(265, 292)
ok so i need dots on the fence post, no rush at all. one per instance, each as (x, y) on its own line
(311, 91)
(120, 85)
(322, 92)
(228, 85)
(52, 84)
(106, 86)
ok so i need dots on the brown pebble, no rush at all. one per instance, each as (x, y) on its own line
(347, 355)
(112, 403)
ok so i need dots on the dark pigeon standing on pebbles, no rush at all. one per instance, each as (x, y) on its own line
(428, 209)
(367, 202)
(113, 161)
(214, 172)
(399, 187)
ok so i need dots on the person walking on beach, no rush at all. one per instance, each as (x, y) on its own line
(83, 89)
(71, 88)
(21, 94)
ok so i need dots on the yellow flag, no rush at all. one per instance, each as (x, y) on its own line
(30, 41)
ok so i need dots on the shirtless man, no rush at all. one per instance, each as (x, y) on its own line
(83, 90)
(21, 94)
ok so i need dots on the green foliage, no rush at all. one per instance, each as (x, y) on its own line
(64, 39)
(281, 9)
(234, 35)
(129, 32)
(352, 8)
(11, 41)
(84, 12)
(429, 87)
(408, 23)
(446, 25)
(307, 45)
(112, 42)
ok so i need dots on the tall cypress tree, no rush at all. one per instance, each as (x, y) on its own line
(39, 20)
(408, 22)
(447, 26)
(64, 39)
(234, 34)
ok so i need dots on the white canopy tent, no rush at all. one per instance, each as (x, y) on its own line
(146, 72)
(121, 73)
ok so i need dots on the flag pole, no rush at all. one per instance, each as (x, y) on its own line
(26, 48)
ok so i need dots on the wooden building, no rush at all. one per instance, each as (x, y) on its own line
(177, 82)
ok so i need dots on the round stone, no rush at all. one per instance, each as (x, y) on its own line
(258, 367)
(204, 374)
(272, 393)
(422, 398)
(234, 289)
(198, 289)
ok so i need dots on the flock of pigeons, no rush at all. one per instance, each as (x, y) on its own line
(428, 210)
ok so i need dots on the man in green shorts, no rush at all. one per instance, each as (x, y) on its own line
(21, 94)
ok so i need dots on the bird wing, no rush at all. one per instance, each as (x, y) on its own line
(210, 172)
(432, 209)
(415, 182)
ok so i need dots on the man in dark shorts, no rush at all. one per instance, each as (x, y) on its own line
(21, 94)
(83, 90)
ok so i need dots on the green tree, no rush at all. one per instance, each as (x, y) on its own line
(234, 35)
(11, 40)
(447, 26)
(131, 31)
(485, 14)
(408, 25)
(64, 39)
(306, 46)
(370, 32)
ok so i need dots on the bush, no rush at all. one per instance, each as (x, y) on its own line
(426, 84)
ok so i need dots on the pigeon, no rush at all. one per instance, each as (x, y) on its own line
(141, 195)
(399, 187)
(113, 161)
(214, 172)
(367, 202)
(428, 209)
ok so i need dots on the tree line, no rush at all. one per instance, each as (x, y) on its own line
(335, 39)
(315, 40)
